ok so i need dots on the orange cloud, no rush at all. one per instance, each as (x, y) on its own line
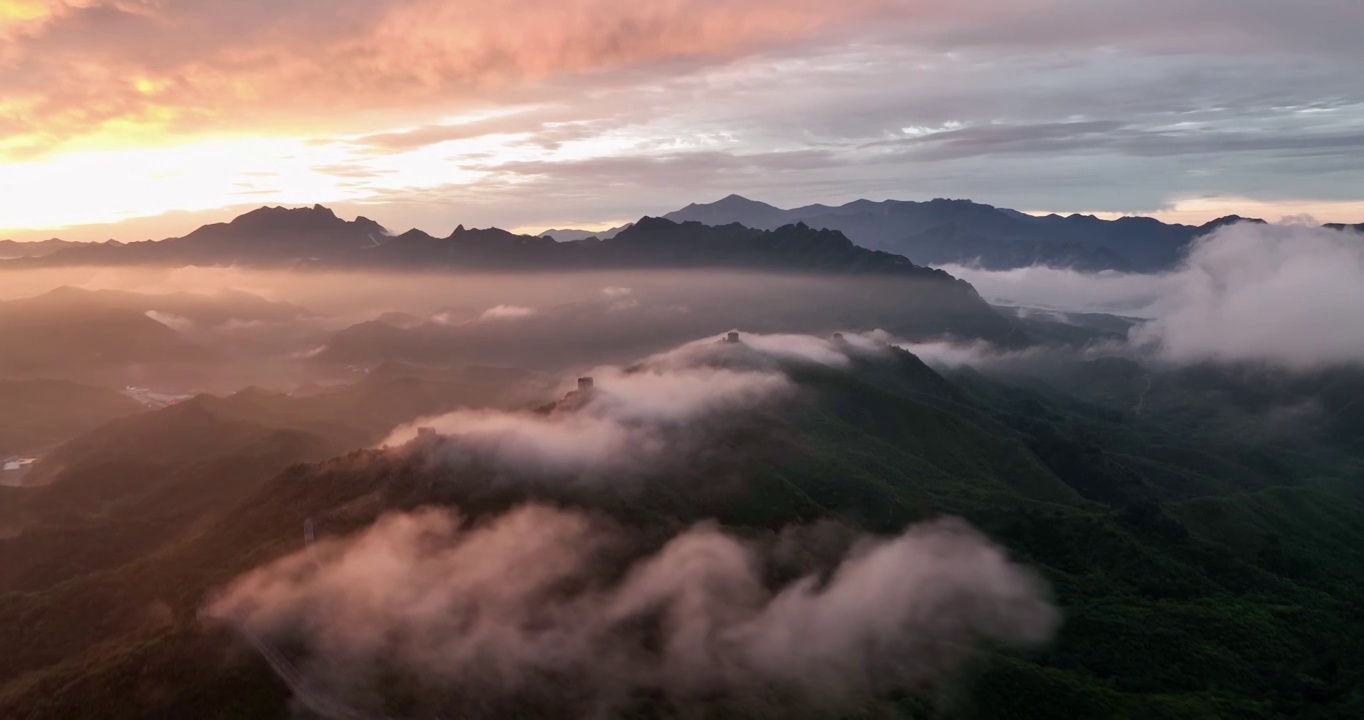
(17, 11)
(94, 69)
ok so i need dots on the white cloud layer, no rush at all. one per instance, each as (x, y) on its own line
(665, 405)
(1062, 289)
(507, 312)
(1286, 293)
(1292, 294)
(532, 605)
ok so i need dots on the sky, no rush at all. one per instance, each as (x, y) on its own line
(145, 118)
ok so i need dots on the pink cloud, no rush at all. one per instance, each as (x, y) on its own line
(75, 67)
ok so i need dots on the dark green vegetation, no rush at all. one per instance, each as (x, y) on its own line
(1206, 548)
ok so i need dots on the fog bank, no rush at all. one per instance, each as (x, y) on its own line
(1289, 294)
(564, 614)
(663, 408)
(1292, 294)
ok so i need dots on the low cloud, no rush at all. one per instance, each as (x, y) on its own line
(665, 407)
(631, 419)
(976, 354)
(558, 613)
(506, 312)
(1288, 293)
(1065, 290)
(763, 352)
(178, 323)
(619, 298)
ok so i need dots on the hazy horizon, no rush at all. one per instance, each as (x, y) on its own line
(178, 224)
(529, 115)
(960, 360)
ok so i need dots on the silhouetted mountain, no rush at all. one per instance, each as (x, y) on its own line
(664, 243)
(649, 243)
(734, 208)
(266, 236)
(281, 232)
(563, 235)
(936, 232)
(10, 249)
(959, 243)
(943, 231)
(316, 237)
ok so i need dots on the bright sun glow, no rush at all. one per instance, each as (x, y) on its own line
(21, 10)
(109, 185)
(98, 186)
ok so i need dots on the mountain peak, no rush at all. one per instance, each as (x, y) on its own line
(734, 200)
(278, 211)
(1230, 220)
(733, 209)
(315, 220)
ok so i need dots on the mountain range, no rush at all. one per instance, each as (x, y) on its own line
(315, 237)
(860, 236)
(963, 232)
(11, 249)
(941, 231)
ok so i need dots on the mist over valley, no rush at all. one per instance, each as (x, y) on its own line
(606, 360)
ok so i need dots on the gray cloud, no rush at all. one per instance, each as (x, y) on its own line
(712, 168)
(1068, 105)
(1110, 130)
(535, 612)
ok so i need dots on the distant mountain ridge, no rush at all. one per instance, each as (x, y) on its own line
(942, 231)
(725, 233)
(566, 235)
(11, 249)
(265, 236)
(316, 237)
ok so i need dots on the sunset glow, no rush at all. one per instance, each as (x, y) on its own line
(430, 114)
